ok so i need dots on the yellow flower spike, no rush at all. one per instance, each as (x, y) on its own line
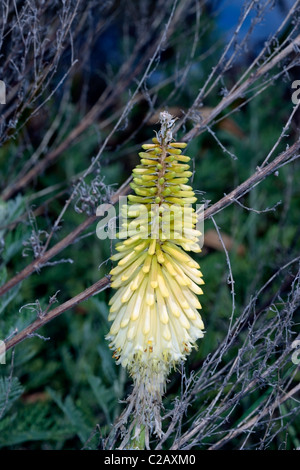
(147, 264)
(131, 256)
(163, 311)
(151, 249)
(154, 278)
(132, 240)
(170, 268)
(177, 253)
(139, 278)
(173, 150)
(166, 333)
(183, 158)
(173, 306)
(117, 323)
(144, 154)
(125, 272)
(154, 311)
(191, 298)
(161, 282)
(148, 146)
(176, 290)
(117, 304)
(149, 162)
(150, 297)
(191, 314)
(159, 254)
(184, 322)
(147, 317)
(149, 178)
(179, 145)
(117, 295)
(127, 294)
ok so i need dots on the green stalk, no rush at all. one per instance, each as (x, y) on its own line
(139, 441)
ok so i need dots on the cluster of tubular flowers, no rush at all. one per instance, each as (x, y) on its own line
(155, 307)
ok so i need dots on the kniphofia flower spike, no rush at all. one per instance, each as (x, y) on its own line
(155, 307)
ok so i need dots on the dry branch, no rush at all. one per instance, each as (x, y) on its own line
(242, 89)
(106, 100)
(268, 411)
(36, 264)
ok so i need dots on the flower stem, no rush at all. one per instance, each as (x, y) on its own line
(138, 442)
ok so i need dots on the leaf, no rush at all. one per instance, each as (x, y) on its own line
(8, 297)
(33, 423)
(11, 210)
(73, 415)
(10, 391)
(3, 275)
(34, 435)
(103, 394)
